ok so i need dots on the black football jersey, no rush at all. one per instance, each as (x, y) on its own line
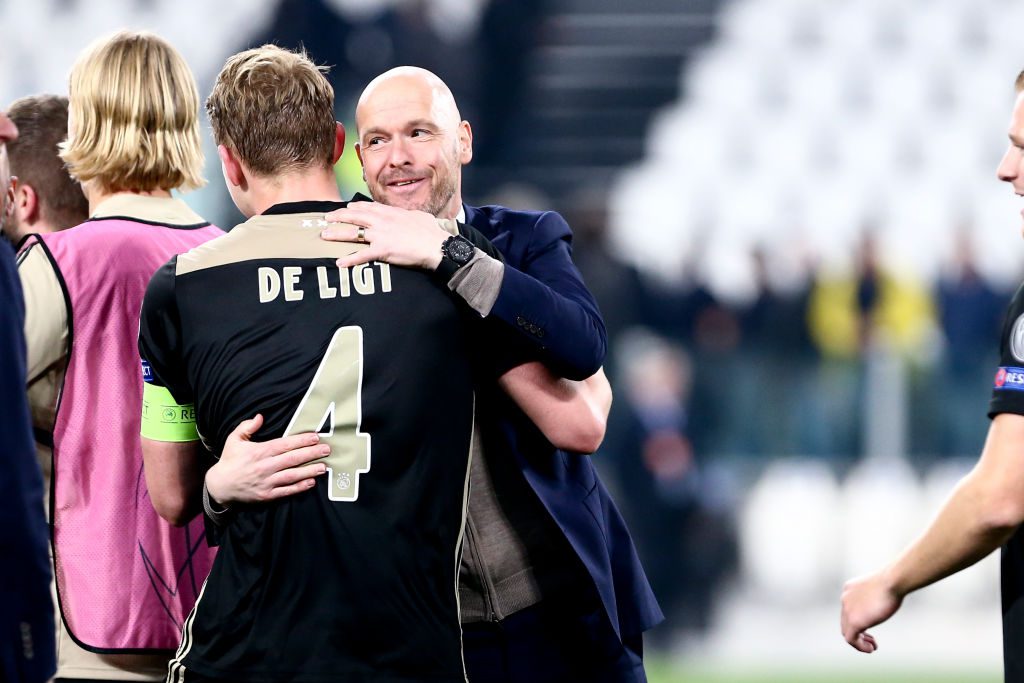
(1008, 397)
(355, 579)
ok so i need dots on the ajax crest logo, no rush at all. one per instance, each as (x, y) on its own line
(344, 480)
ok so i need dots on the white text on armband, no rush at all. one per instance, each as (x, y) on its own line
(331, 282)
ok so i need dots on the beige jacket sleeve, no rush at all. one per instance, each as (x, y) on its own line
(479, 281)
(46, 312)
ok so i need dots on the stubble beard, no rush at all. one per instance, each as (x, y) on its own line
(440, 195)
(441, 190)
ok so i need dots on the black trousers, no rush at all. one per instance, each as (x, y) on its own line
(543, 644)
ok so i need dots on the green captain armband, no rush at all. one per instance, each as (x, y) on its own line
(163, 419)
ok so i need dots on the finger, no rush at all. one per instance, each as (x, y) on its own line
(865, 643)
(860, 641)
(281, 445)
(247, 428)
(342, 232)
(297, 474)
(358, 257)
(301, 456)
(360, 215)
(285, 491)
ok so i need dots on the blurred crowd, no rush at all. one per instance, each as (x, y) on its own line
(817, 363)
(825, 365)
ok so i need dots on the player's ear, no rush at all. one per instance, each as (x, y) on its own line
(24, 201)
(10, 202)
(339, 141)
(232, 167)
(465, 142)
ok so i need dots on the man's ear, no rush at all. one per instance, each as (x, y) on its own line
(233, 171)
(24, 202)
(339, 142)
(465, 142)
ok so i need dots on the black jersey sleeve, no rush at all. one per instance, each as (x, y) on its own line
(160, 343)
(1008, 385)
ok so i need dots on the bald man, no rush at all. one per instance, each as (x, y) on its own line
(27, 653)
(551, 588)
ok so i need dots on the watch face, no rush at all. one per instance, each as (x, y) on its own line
(459, 250)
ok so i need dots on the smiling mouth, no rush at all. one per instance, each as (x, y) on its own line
(404, 182)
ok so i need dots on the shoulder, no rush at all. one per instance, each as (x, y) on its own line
(35, 263)
(1014, 312)
(493, 219)
(90, 229)
(97, 237)
(211, 252)
(160, 290)
(1012, 338)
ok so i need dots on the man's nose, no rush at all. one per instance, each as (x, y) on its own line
(398, 154)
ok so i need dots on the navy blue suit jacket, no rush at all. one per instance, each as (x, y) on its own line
(543, 297)
(27, 648)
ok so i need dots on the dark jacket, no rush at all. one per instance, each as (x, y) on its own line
(543, 297)
(27, 648)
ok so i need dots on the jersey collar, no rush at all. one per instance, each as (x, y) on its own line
(317, 206)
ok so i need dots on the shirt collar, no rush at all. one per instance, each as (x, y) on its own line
(315, 206)
(166, 210)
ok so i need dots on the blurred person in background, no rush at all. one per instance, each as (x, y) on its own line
(45, 198)
(859, 320)
(125, 578)
(551, 588)
(986, 509)
(27, 653)
(970, 313)
(779, 354)
(617, 286)
(687, 543)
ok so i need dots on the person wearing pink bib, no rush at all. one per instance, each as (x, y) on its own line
(125, 578)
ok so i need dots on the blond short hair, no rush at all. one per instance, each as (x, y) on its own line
(134, 108)
(275, 109)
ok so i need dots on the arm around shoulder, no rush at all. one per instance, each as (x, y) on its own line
(545, 299)
(572, 415)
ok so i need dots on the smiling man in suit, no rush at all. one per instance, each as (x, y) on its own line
(551, 587)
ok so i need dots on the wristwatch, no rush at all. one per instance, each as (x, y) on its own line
(456, 251)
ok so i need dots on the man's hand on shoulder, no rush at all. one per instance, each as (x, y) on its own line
(255, 472)
(396, 236)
